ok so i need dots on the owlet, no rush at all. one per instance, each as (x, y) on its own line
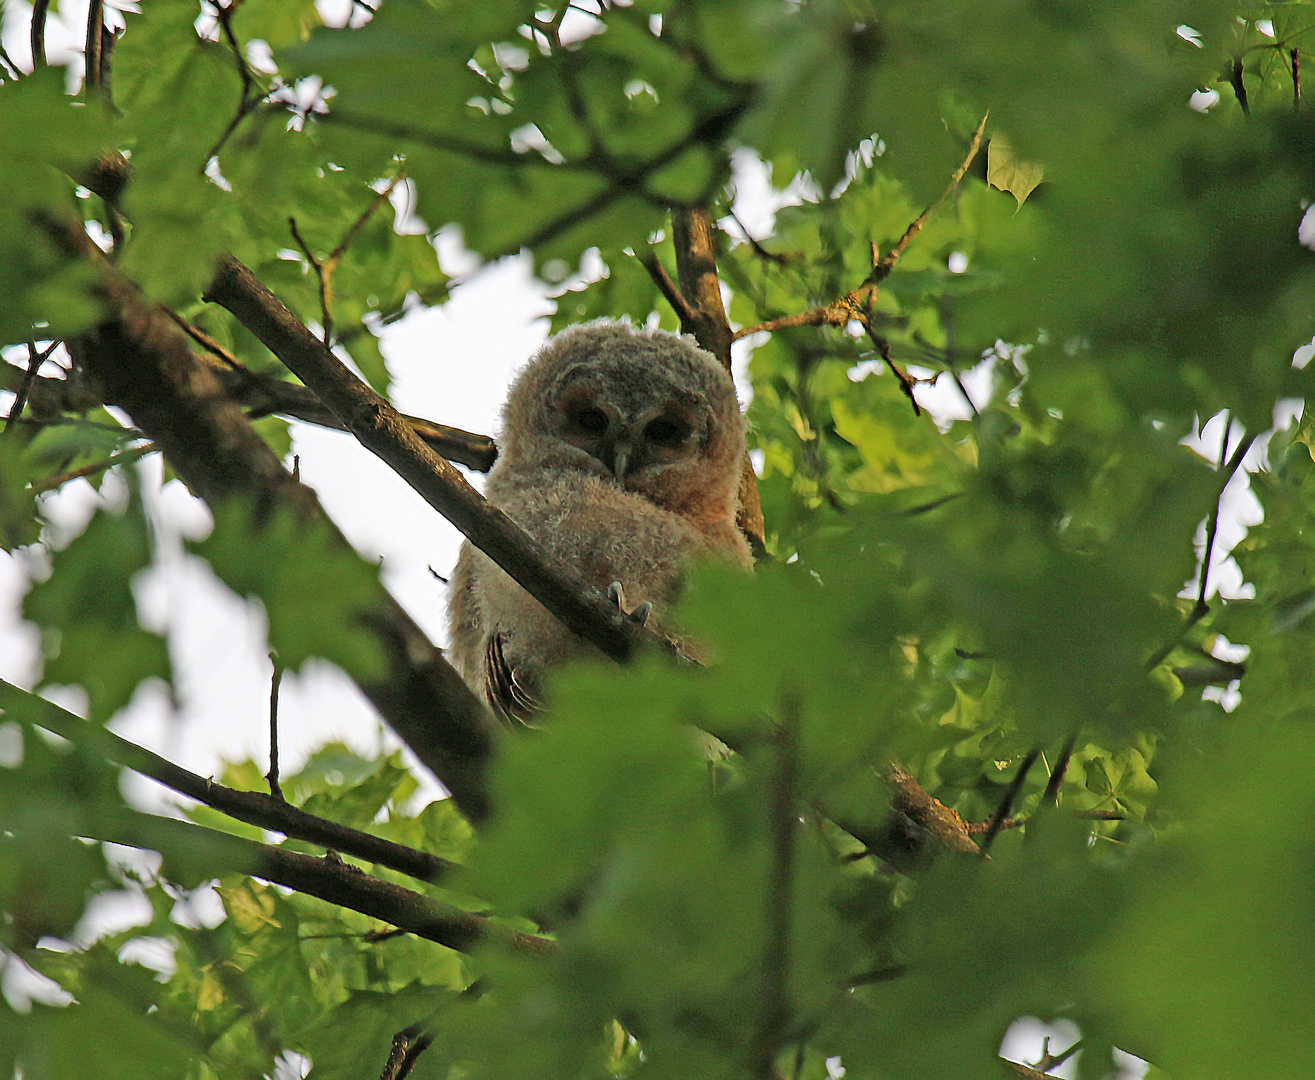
(621, 452)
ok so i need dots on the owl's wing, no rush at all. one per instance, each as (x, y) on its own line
(513, 699)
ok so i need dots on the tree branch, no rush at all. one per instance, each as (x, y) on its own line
(883, 266)
(853, 303)
(264, 394)
(328, 879)
(146, 366)
(700, 287)
(916, 826)
(667, 288)
(1007, 802)
(40, 9)
(253, 807)
(380, 429)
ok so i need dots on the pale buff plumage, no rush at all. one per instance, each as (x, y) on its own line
(621, 452)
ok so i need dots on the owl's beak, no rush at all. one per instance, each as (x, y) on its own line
(620, 460)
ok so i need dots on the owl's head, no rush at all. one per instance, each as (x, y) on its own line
(647, 410)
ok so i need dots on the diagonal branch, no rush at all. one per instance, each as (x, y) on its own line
(253, 807)
(146, 366)
(673, 296)
(1007, 802)
(382, 430)
(852, 304)
(883, 266)
(328, 879)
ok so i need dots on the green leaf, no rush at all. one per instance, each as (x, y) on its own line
(91, 634)
(316, 591)
(1006, 171)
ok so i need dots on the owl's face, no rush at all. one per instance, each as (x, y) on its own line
(651, 413)
(629, 438)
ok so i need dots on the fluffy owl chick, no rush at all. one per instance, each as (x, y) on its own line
(621, 452)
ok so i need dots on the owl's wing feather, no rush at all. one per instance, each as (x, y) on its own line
(506, 692)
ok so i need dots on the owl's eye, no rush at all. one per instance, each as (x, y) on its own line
(665, 432)
(590, 421)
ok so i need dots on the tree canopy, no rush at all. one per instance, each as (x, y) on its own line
(982, 739)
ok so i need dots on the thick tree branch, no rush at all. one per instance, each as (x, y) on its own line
(253, 807)
(704, 316)
(380, 429)
(328, 879)
(916, 827)
(696, 273)
(146, 366)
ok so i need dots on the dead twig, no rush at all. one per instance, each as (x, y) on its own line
(852, 304)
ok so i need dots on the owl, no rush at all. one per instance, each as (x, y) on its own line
(621, 452)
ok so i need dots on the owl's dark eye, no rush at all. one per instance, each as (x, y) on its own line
(665, 432)
(590, 421)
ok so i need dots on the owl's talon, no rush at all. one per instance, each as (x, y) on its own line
(639, 615)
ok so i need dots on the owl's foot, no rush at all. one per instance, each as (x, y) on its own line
(638, 614)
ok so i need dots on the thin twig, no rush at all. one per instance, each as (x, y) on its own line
(1201, 607)
(273, 775)
(34, 361)
(878, 975)
(887, 263)
(1295, 54)
(1051, 794)
(380, 197)
(40, 9)
(1239, 87)
(1212, 526)
(123, 457)
(977, 828)
(326, 288)
(251, 96)
(224, 15)
(91, 81)
(650, 262)
(204, 340)
(7, 60)
(839, 312)
(882, 346)
(758, 249)
(328, 879)
(1007, 802)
